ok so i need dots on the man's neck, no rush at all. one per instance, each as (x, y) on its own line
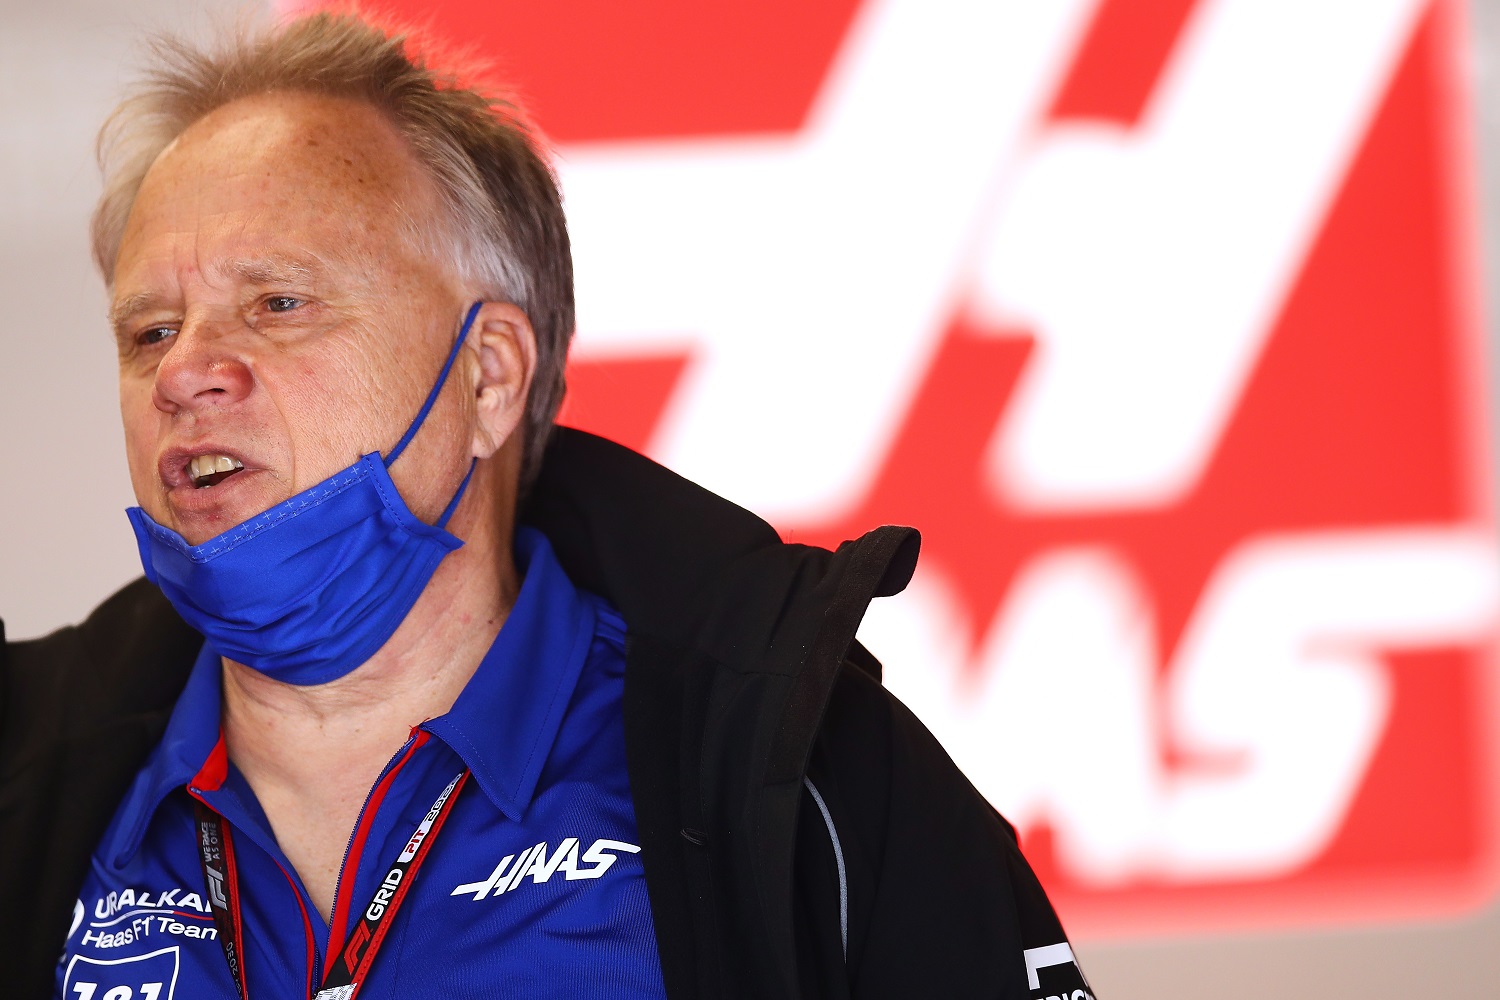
(270, 726)
(311, 754)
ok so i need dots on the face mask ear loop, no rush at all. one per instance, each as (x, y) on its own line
(432, 396)
(442, 522)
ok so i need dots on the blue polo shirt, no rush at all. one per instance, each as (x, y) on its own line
(533, 888)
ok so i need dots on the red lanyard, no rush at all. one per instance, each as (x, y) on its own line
(348, 969)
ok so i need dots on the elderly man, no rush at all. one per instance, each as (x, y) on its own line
(374, 725)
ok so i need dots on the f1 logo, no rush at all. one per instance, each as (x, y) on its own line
(216, 887)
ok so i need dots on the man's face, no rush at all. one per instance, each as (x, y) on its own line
(271, 314)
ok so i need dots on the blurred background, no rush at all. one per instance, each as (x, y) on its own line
(1164, 320)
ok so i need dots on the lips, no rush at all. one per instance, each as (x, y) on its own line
(209, 488)
(201, 467)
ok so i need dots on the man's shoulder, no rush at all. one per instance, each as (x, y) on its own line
(79, 711)
(131, 655)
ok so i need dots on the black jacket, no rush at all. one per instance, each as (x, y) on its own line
(744, 691)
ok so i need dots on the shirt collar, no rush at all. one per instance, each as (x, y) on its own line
(502, 726)
(507, 717)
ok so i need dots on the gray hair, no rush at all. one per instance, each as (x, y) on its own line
(506, 233)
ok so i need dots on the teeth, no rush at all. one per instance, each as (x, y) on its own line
(203, 466)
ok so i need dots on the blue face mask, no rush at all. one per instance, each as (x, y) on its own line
(310, 589)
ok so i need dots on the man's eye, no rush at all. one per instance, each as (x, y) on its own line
(282, 303)
(156, 335)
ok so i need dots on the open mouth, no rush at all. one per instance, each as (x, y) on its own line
(211, 470)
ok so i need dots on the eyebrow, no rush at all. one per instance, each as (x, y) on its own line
(129, 306)
(273, 270)
(268, 270)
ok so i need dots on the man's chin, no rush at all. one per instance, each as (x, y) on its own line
(201, 513)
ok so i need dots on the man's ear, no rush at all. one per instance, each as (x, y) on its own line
(507, 362)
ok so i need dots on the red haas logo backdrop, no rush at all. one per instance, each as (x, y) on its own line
(1160, 319)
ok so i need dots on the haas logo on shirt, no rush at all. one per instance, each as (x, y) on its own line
(142, 977)
(534, 861)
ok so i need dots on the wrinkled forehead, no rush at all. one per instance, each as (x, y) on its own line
(334, 171)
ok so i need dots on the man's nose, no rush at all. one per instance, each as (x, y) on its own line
(200, 369)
